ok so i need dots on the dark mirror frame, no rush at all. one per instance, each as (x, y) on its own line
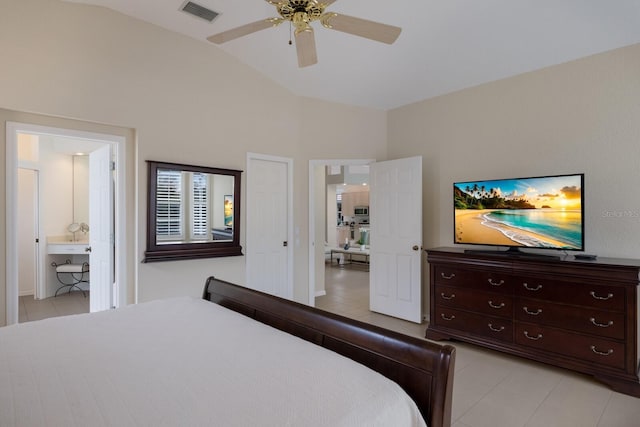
(180, 251)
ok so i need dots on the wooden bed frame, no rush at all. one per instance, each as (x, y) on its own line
(423, 369)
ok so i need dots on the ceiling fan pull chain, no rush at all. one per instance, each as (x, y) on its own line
(290, 42)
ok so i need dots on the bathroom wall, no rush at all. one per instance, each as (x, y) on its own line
(80, 190)
(56, 191)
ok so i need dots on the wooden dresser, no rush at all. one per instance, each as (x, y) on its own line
(580, 315)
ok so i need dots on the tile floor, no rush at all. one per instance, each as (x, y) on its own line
(492, 389)
(64, 304)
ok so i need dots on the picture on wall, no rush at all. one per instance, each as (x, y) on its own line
(228, 210)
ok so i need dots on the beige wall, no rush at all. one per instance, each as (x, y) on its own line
(582, 116)
(186, 100)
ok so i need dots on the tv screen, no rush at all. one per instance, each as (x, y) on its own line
(537, 212)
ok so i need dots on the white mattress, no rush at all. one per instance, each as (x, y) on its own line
(184, 362)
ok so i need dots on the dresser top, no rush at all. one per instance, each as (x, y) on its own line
(561, 258)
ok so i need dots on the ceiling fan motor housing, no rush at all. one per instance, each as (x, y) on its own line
(301, 10)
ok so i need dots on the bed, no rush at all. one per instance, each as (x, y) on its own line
(185, 361)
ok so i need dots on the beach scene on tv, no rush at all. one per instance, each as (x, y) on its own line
(544, 212)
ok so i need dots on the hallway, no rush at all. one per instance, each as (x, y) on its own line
(348, 295)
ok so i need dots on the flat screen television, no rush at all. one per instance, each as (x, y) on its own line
(545, 212)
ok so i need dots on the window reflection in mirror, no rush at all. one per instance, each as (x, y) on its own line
(193, 212)
(190, 207)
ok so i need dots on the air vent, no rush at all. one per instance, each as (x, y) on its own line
(199, 11)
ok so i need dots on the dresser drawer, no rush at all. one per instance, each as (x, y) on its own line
(489, 327)
(474, 279)
(492, 304)
(597, 296)
(584, 347)
(608, 324)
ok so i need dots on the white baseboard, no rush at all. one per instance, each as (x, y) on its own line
(320, 293)
(25, 293)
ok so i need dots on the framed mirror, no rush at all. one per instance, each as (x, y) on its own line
(192, 212)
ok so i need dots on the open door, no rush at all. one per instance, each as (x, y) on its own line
(396, 243)
(101, 242)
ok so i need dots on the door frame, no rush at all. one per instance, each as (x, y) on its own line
(118, 147)
(289, 209)
(312, 214)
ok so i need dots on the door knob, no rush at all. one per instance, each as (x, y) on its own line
(87, 249)
(285, 243)
(415, 247)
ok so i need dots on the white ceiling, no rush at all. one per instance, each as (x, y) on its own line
(445, 45)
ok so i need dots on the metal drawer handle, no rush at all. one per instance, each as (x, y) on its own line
(601, 353)
(526, 286)
(447, 297)
(448, 277)
(593, 294)
(532, 313)
(526, 334)
(492, 283)
(500, 329)
(496, 306)
(601, 325)
(447, 318)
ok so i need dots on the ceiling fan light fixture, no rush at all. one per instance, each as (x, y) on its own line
(289, 9)
(301, 21)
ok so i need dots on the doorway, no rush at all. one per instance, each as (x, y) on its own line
(321, 216)
(80, 141)
(395, 283)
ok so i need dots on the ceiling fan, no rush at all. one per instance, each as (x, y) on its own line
(301, 13)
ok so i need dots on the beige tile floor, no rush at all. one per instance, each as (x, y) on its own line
(64, 304)
(492, 389)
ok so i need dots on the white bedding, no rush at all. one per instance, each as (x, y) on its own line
(184, 362)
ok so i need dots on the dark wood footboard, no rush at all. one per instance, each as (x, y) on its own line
(423, 369)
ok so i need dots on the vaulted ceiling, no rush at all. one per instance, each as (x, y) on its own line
(445, 45)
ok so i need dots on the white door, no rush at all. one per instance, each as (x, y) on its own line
(396, 238)
(101, 229)
(27, 231)
(268, 226)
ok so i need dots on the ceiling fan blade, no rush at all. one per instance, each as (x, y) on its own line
(244, 30)
(361, 27)
(306, 47)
